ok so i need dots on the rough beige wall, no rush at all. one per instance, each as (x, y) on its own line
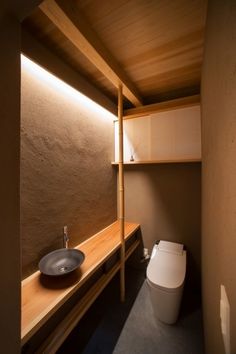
(66, 173)
(219, 170)
(9, 185)
(165, 200)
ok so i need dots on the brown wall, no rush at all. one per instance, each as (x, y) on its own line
(66, 173)
(219, 170)
(9, 185)
(165, 199)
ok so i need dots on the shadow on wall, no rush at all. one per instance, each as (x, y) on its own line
(166, 201)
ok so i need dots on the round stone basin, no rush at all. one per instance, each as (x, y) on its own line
(61, 261)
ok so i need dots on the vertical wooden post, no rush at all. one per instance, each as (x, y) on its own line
(121, 194)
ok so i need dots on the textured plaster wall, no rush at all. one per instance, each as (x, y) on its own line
(166, 200)
(66, 173)
(219, 170)
(9, 184)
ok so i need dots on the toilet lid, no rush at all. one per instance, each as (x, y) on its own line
(167, 270)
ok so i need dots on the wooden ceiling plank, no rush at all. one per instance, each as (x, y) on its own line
(75, 28)
(161, 107)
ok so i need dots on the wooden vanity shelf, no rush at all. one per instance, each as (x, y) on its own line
(146, 162)
(43, 296)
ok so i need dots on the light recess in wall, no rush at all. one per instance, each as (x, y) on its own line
(65, 89)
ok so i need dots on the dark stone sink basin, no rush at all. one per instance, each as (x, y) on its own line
(61, 261)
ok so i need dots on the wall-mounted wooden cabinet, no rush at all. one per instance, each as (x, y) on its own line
(164, 137)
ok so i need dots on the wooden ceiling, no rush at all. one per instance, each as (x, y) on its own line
(155, 47)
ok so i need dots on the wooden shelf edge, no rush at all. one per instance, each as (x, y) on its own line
(33, 327)
(152, 162)
(127, 235)
(61, 332)
(37, 273)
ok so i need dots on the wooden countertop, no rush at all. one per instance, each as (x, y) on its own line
(42, 295)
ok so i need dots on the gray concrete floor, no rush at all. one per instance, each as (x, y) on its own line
(131, 328)
(144, 334)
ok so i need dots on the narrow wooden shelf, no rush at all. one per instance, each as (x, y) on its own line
(42, 296)
(146, 162)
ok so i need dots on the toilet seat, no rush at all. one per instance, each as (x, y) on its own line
(167, 267)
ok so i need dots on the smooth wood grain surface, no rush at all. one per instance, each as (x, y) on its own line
(42, 296)
(73, 25)
(159, 44)
(146, 110)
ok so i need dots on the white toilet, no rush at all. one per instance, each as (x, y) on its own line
(165, 278)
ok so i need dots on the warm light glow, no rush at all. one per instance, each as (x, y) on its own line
(60, 86)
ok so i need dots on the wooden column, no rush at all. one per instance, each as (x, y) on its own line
(121, 193)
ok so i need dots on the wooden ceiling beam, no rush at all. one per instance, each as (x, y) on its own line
(71, 22)
(182, 102)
